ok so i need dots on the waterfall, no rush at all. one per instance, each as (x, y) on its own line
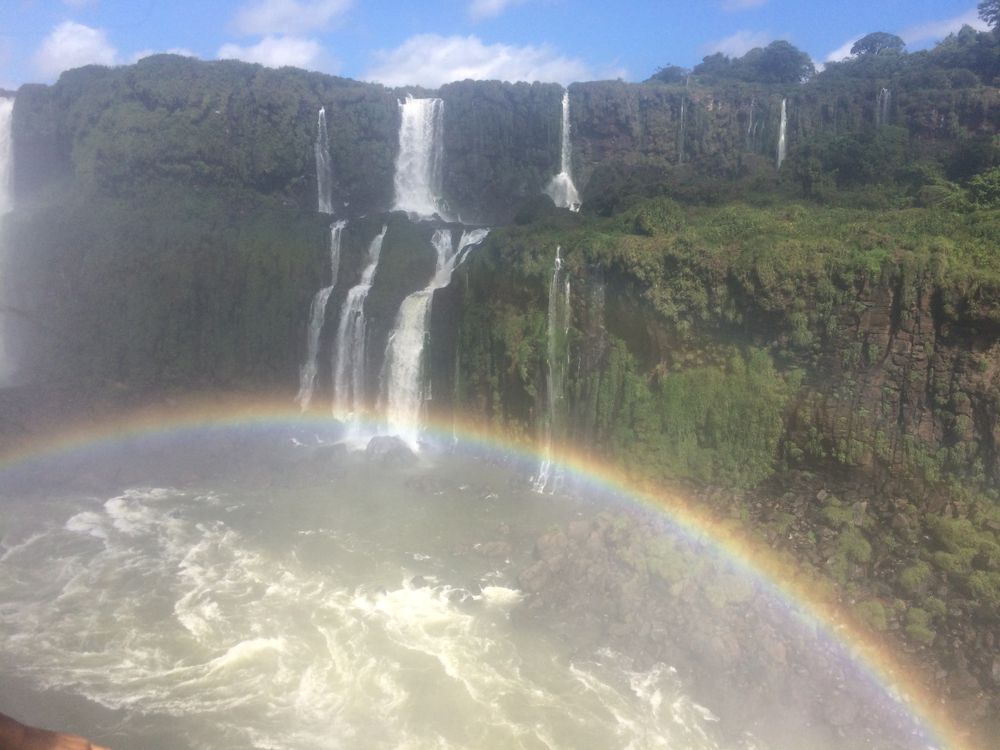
(549, 478)
(782, 131)
(418, 165)
(317, 316)
(6, 204)
(349, 348)
(882, 103)
(404, 369)
(683, 122)
(6, 154)
(324, 171)
(561, 188)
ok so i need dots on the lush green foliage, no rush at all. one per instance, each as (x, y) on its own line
(778, 62)
(779, 279)
(989, 11)
(878, 43)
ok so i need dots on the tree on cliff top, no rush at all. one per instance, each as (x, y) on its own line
(989, 11)
(782, 62)
(878, 43)
(670, 74)
(778, 62)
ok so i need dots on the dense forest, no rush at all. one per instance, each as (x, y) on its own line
(810, 330)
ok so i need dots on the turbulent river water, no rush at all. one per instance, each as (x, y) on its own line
(309, 600)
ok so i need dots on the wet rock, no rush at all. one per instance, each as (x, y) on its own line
(388, 450)
(551, 545)
(535, 578)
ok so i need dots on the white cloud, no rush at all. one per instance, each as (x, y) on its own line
(288, 16)
(277, 51)
(934, 30)
(843, 51)
(431, 60)
(738, 44)
(483, 9)
(742, 4)
(926, 32)
(71, 45)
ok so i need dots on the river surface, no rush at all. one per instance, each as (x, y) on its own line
(316, 601)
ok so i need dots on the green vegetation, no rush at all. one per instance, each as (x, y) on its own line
(989, 11)
(732, 324)
(878, 43)
(778, 62)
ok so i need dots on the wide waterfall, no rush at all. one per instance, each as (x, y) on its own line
(403, 373)
(561, 188)
(418, 164)
(782, 132)
(882, 103)
(349, 349)
(6, 204)
(549, 477)
(324, 170)
(317, 316)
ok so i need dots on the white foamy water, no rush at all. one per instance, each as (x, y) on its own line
(404, 377)
(238, 619)
(6, 204)
(324, 169)
(350, 347)
(561, 188)
(418, 174)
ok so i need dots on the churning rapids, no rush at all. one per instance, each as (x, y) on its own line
(276, 591)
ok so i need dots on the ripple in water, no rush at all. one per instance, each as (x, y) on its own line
(352, 613)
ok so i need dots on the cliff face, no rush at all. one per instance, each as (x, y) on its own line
(913, 382)
(860, 339)
(184, 192)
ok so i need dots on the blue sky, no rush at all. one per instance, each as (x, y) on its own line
(430, 42)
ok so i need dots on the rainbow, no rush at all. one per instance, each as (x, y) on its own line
(776, 573)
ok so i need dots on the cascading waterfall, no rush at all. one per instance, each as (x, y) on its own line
(324, 170)
(6, 204)
(6, 154)
(782, 131)
(882, 104)
(683, 122)
(549, 478)
(561, 188)
(418, 165)
(317, 316)
(349, 349)
(403, 371)
(753, 127)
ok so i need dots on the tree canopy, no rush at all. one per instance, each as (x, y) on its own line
(778, 62)
(878, 43)
(989, 11)
(670, 74)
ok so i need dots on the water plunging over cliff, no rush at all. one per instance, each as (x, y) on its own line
(349, 349)
(549, 478)
(882, 103)
(403, 372)
(317, 316)
(782, 131)
(6, 204)
(324, 174)
(561, 188)
(418, 165)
